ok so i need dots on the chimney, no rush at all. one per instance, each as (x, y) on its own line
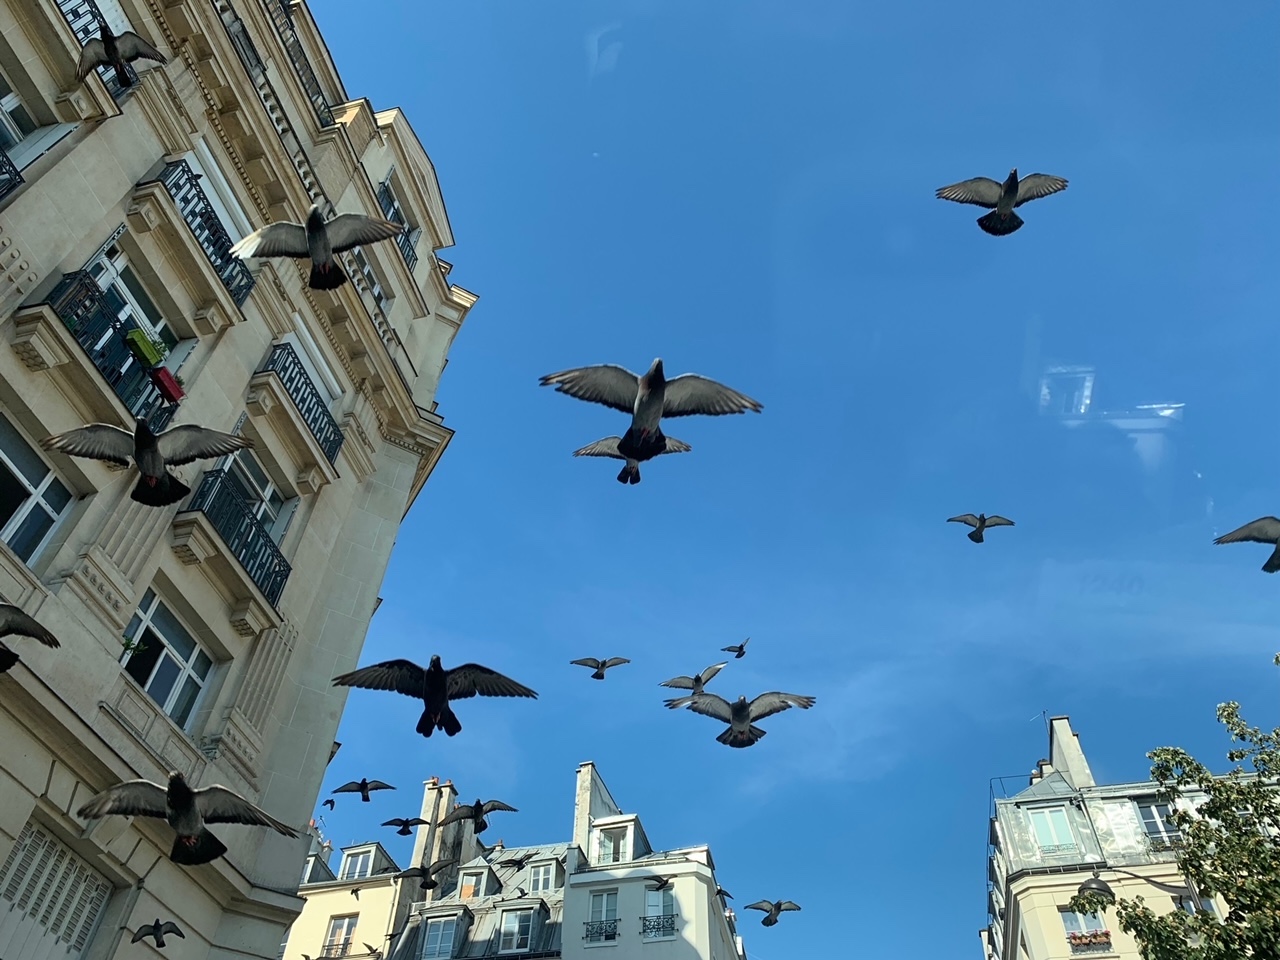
(1066, 753)
(429, 842)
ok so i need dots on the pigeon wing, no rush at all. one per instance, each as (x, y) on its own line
(724, 893)
(590, 662)
(414, 821)
(146, 930)
(354, 229)
(99, 441)
(283, 239)
(1037, 185)
(189, 442)
(709, 705)
(679, 683)
(733, 649)
(677, 702)
(411, 872)
(608, 447)
(615, 662)
(93, 54)
(690, 394)
(14, 620)
(493, 805)
(463, 811)
(767, 704)
(764, 905)
(132, 798)
(788, 905)
(999, 522)
(606, 383)
(711, 671)
(440, 865)
(132, 47)
(676, 446)
(1262, 530)
(380, 785)
(352, 787)
(395, 823)
(169, 927)
(471, 679)
(217, 804)
(401, 676)
(966, 518)
(980, 191)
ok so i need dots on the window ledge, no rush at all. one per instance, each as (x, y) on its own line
(134, 713)
(18, 584)
(590, 945)
(284, 431)
(40, 142)
(196, 542)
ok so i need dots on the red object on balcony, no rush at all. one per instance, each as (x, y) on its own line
(167, 384)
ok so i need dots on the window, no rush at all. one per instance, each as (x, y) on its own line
(50, 899)
(1190, 905)
(217, 191)
(659, 914)
(256, 488)
(16, 123)
(380, 296)
(517, 925)
(126, 295)
(613, 845)
(338, 941)
(540, 877)
(355, 865)
(1085, 932)
(1053, 833)
(471, 885)
(439, 939)
(1155, 820)
(165, 659)
(603, 925)
(32, 499)
(313, 361)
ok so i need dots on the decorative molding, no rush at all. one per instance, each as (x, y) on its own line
(236, 743)
(35, 338)
(137, 715)
(163, 107)
(358, 450)
(212, 318)
(266, 672)
(195, 542)
(282, 427)
(250, 617)
(102, 587)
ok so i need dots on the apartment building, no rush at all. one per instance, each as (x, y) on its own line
(596, 890)
(200, 637)
(1047, 839)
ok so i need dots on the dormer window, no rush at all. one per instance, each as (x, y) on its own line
(612, 845)
(541, 877)
(472, 885)
(356, 865)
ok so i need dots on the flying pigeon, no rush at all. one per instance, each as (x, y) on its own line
(516, 863)
(426, 875)
(329, 803)
(979, 523)
(739, 650)
(599, 666)
(741, 715)
(772, 909)
(116, 51)
(186, 810)
(659, 883)
(648, 399)
(154, 453)
(695, 684)
(722, 892)
(435, 687)
(14, 621)
(520, 894)
(476, 812)
(630, 473)
(405, 825)
(317, 241)
(1263, 530)
(158, 930)
(363, 787)
(1001, 198)
(374, 952)
(355, 892)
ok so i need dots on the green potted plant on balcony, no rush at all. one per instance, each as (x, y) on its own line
(144, 348)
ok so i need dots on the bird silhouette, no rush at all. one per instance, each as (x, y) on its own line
(980, 523)
(406, 825)
(363, 787)
(317, 241)
(426, 874)
(329, 803)
(158, 931)
(741, 715)
(116, 51)
(1001, 198)
(1263, 530)
(476, 813)
(772, 908)
(694, 684)
(739, 650)
(599, 666)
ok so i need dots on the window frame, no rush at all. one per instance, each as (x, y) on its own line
(665, 906)
(441, 952)
(622, 848)
(354, 857)
(1158, 829)
(477, 888)
(35, 496)
(1061, 846)
(218, 190)
(520, 914)
(1082, 920)
(542, 871)
(350, 928)
(143, 620)
(605, 907)
(234, 465)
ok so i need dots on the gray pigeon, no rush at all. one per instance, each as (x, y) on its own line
(648, 399)
(426, 875)
(772, 908)
(630, 473)
(406, 825)
(1001, 198)
(363, 787)
(317, 241)
(516, 863)
(116, 51)
(14, 621)
(186, 810)
(722, 892)
(694, 684)
(741, 715)
(328, 803)
(659, 883)
(599, 666)
(158, 930)
(154, 453)
(739, 650)
(476, 812)
(1263, 530)
(979, 523)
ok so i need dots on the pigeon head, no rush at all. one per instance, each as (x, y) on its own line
(143, 430)
(176, 777)
(315, 219)
(1013, 174)
(740, 702)
(655, 371)
(435, 661)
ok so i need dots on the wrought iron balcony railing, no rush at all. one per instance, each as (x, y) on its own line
(407, 240)
(278, 10)
(1158, 843)
(598, 930)
(242, 532)
(10, 177)
(663, 925)
(183, 185)
(93, 317)
(84, 17)
(284, 363)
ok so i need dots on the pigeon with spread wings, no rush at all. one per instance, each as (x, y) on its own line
(476, 813)
(693, 684)
(13, 620)
(363, 787)
(772, 908)
(980, 523)
(317, 241)
(1001, 198)
(406, 824)
(435, 687)
(741, 714)
(186, 810)
(154, 453)
(739, 650)
(1263, 530)
(158, 930)
(118, 51)
(599, 666)
(630, 473)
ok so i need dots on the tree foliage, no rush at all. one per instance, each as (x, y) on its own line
(1230, 847)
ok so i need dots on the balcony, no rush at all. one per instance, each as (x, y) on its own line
(600, 931)
(663, 925)
(306, 398)
(391, 209)
(10, 178)
(183, 185)
(280, 15)
(82, 17)
(1093, 941)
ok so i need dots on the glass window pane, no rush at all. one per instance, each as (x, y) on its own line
(149, 310)
(56, 496)
(254, 470)
(30, 533)
(13, 494)
(23, 120)
(5, 89)
(163, 679)
(143, 659)
(20, 453)
(148, 599)
(181, 709)
(178, 638)
(201, 667)
(8, 136)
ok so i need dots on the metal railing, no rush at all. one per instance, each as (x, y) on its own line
(278, 10)
(663, 925)
(238, 34)
(242, 532)
(84, 17)
(93, 317)
(407, 240)
(597, 930)
(284, 363)
(183, 185)
(10, 177)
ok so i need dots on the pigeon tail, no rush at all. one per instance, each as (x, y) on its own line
(734, 738)
(975, 536)
(630, 473)
(1271, 566)
(167, 490)
(598, 675)
(446, 720)
(7, 658)
(769, 921)
(1000, 224)
(193, 851)
(328, 276)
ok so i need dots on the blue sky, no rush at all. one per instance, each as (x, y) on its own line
(746, 190)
